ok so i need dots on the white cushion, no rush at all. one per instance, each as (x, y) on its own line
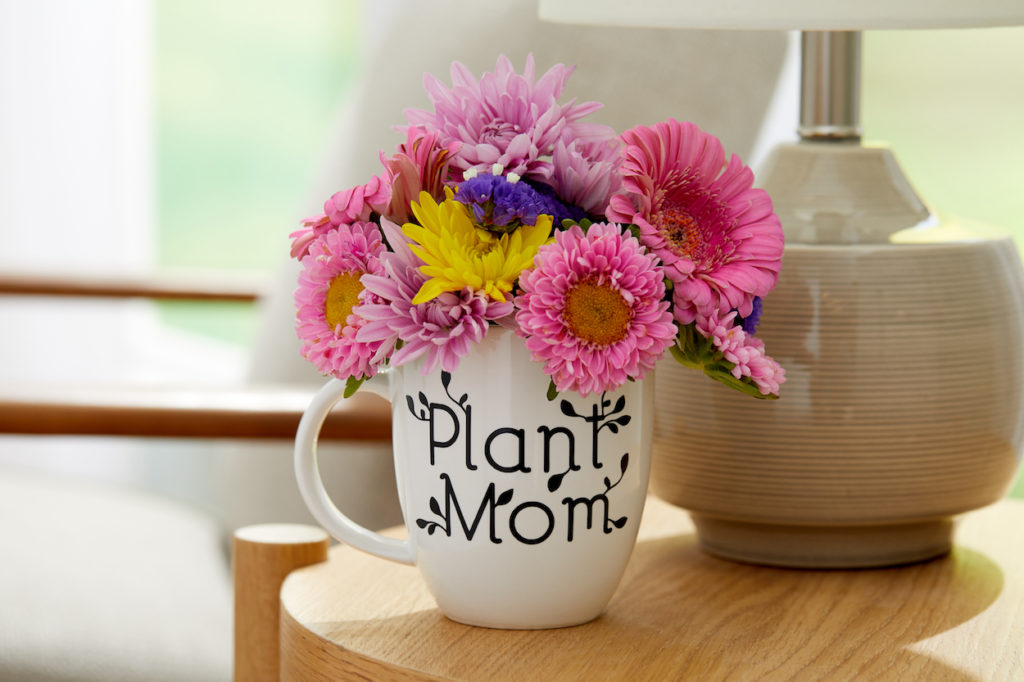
(100, 583)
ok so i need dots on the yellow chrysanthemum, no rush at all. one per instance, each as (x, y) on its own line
(456, 253)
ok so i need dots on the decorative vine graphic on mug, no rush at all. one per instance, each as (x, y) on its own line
(463, 515)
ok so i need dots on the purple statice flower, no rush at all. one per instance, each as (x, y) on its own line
(502, 205)
(750, 322)
(443, 329)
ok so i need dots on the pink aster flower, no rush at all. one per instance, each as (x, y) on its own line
(504, 118)
(718, 237)
(342, 208)
(592, 310)
(329, 296)
(443, 328)
(421, 164)
(744, 350)
(586, 174)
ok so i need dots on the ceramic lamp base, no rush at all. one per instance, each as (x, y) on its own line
(903, 343)
(799, 546)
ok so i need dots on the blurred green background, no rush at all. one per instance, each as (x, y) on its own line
(247, 93)
(950, 104)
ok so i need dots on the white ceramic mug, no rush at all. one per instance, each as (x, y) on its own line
(522, 512)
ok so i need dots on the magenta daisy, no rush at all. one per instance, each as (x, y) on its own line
(592, 310)
(504, 118)
(718, 237)
(329, 295)
(342, 208)
(443, 328)
(744, 350)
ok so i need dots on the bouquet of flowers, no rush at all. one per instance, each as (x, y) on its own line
(504, 207)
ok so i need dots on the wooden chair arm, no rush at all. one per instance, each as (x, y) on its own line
(164, 285)
(249, 412)
(258, 412)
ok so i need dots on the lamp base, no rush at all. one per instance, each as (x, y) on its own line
(841, 193)
(795, 546)
(904, 393)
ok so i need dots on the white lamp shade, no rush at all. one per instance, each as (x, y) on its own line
(806, 15)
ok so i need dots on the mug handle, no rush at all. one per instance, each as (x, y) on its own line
(307, 471)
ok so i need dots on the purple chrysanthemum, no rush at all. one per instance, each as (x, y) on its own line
(504, 118)
(586, 173)
(592, 310)
(444, 328)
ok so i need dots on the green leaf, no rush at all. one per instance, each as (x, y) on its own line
(552, 391)
(352, 385)
(746, 386)
(685, 359)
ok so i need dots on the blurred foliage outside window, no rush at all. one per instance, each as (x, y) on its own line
(950, 103)
(246, 96)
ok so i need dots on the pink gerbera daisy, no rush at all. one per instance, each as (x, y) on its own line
(504, 118)
(718, 237)
(744, 350)
(443, 328)
(592, 310)
(342, 208)
(329, 296)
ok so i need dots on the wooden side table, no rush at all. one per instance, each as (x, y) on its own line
(682, 614)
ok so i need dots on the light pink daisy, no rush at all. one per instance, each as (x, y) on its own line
(718, 237)
(421, 164)
(342, 208)
(329, 296)
(443, 328)
(744, 350)
(586, 174)
(504, 118)
(592, 310)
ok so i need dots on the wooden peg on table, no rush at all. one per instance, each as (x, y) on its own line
(263, 556)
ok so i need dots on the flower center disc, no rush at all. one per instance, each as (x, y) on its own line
(680, 230)
(342, 296)
(596, 313)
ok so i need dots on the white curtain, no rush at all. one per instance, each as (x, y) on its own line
(76, 188)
